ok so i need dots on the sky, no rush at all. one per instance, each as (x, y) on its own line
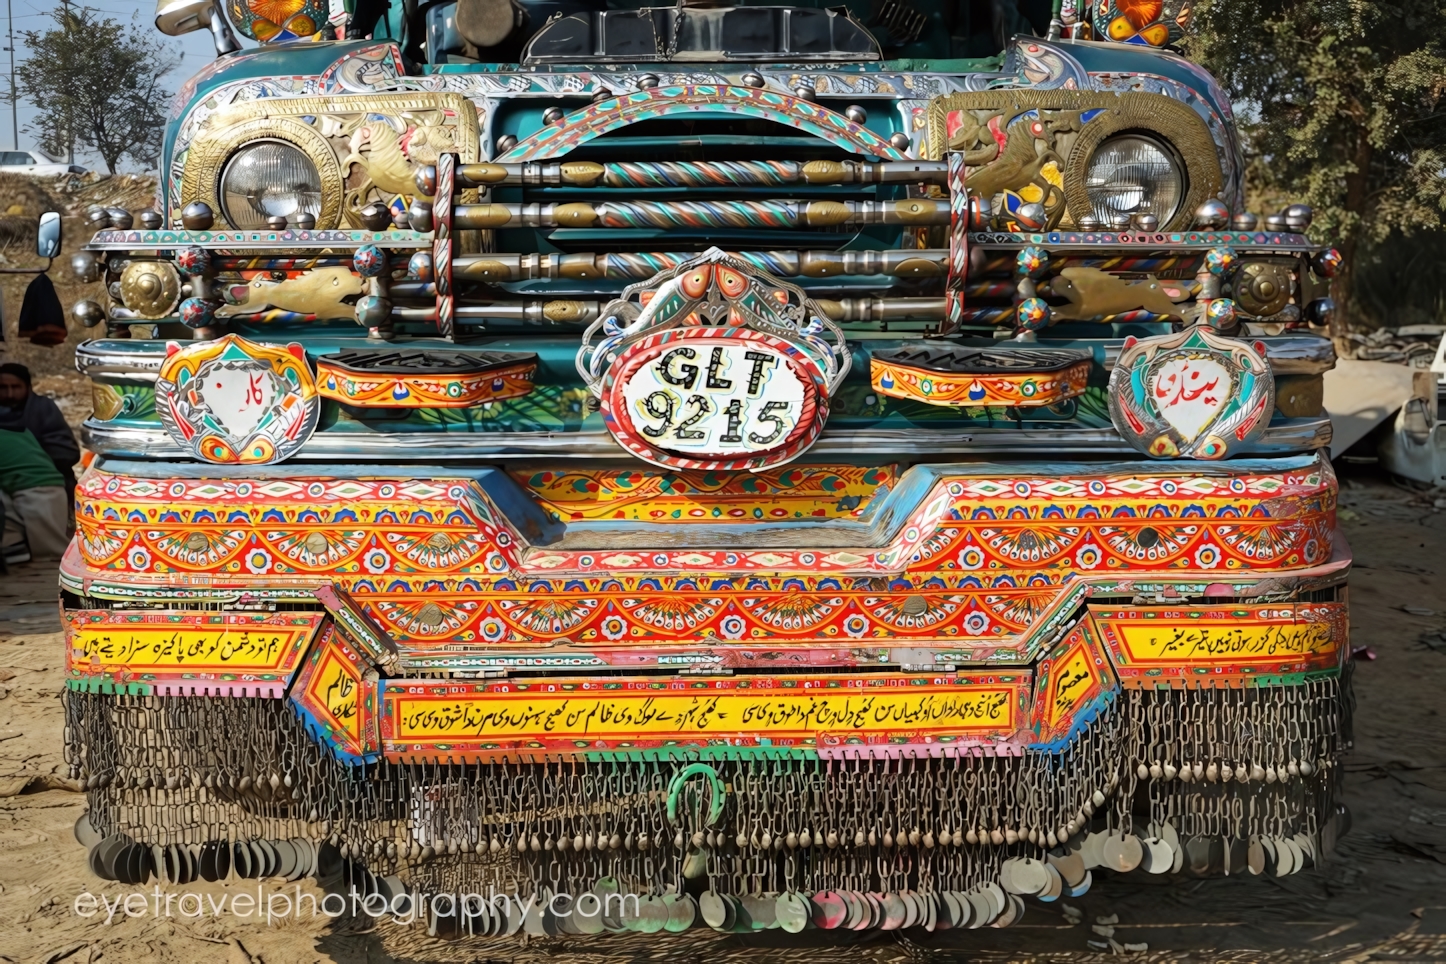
(196, 51)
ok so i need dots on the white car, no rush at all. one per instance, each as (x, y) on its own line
(35, 164)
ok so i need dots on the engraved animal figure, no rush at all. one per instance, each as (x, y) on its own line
(1092, 293)
(1027, 145)
(385, 166)
(974, 138)
(318, 292)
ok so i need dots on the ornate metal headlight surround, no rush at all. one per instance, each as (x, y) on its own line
(211, 157)
(1039, 145)
(267, 178)
(365, 147)
(1132, 174)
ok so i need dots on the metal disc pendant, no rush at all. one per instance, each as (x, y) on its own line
(958, 907)
(1070, 864)
(792, 912)
(682, 912)
(1158, 857)
(762, 911)
(1122, 852)
(1028, 875)
(1012, 913)
(1198, 855)
(652, 914)
(1289, 858)
(85, 832)
(1237, 855)
(587, 911)
(997, 897)
(829, 910)
(981, 909)
(1255, 855)
(1082, 888)
(931, 904)
(715, 911)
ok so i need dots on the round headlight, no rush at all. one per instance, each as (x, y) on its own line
(1132, 174)
(266, 179)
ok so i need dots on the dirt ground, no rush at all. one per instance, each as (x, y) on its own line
(1378, 899)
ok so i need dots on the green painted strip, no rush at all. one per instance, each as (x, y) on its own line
(691, 754)
(94, 684)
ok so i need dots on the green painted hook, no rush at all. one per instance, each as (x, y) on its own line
(675, 790)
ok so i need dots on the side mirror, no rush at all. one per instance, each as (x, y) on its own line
(47, 235)
(175, 17)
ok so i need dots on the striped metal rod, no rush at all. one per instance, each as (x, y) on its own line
(883, 309)
(699, 173)
(638, 265)
(443, 212)
(534, 311)
(955, 283)
(702, 214)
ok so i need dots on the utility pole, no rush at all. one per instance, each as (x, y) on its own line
(68, 24)
(14, 117)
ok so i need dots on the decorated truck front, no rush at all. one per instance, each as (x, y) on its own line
(747, 461)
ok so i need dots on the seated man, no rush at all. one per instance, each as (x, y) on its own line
(21, 408)
(37, 508)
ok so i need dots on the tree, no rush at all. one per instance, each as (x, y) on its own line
(97, 84)
(1340, 104)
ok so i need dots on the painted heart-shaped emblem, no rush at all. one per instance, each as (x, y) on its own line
(1189, 392)
(240, 398)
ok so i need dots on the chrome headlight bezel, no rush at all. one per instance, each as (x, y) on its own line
(1151, 178)
(307, 198)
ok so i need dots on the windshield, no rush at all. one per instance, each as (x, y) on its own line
(497, 31)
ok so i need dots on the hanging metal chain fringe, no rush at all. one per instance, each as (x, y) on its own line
(1204, 780)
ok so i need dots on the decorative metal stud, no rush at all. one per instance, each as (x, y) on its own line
(856, 114)
(1031, 216)
(419, 267)
(900, 141)
(420, 215)
(1327, 264)
(85, 266)
(1213, 215)
(753, 80)
(87, 313)
(1298, 217)
(376, 217)
(197, 216)
(369, 261)
(1320, 311)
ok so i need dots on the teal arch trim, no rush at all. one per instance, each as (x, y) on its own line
(597, 119)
